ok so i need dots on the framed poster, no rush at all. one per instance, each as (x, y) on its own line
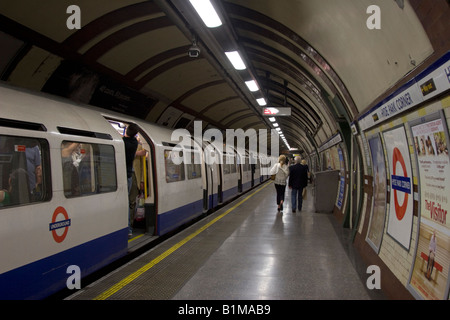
(430, 274)
(378, 217)
(341, 191)
(401, 186)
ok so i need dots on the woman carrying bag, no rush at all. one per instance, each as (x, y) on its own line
(281, 172)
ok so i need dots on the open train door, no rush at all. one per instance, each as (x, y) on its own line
(142, 195)
(213, 180)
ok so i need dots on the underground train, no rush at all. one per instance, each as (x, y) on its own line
(64, 196)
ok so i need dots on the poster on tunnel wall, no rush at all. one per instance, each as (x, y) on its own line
(377, 219)
(341, 191)
(429, 277)
(401, 192)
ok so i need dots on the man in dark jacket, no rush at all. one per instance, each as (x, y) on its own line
(131, 145)
(298, 179)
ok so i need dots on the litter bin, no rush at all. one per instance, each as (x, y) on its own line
(326, 189)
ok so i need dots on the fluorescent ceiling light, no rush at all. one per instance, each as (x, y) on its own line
(272, 119)
(207, 12)
(252, 85)
(278, 129)
(275, 124)
(236, 60)
(261, 101)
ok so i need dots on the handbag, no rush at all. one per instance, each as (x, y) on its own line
(272, 177)
(139, 213)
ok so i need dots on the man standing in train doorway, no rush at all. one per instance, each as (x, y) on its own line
(131, 145)
(298, 180)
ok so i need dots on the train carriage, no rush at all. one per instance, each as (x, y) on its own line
(56, 222)
(64, 194)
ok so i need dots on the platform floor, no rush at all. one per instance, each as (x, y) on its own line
(246, 251)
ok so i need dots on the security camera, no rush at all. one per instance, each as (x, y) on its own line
(194, 51)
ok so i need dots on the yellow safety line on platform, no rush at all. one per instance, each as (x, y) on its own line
(105, 295)
(134, 238)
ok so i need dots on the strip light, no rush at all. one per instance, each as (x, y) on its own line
(252, 85)
(236, 60)
(207, 12)
(261, 101)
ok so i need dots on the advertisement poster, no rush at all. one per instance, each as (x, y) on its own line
(340, 197)
(429, 277)
(401, 197)
(377, 219)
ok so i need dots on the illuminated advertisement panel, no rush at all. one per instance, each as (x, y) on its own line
(377, 219)
(429, 277)
(271, 111)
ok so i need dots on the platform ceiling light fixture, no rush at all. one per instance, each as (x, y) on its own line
(261, 101)
(272, 119)
(207, 13)
(236, 60)
(252, 85)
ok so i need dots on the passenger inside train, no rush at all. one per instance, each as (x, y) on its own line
(21, 171)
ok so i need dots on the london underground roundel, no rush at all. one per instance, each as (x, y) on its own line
(59, 224)
(400, 184)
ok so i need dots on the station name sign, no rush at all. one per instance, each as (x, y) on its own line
(430, 83)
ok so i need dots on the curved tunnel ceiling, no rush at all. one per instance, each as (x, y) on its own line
(316, 57)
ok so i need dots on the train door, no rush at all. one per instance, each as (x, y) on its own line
(239, 167)
(214, 177)
(207, 178)
(142, 197)
(220, 177)
(252, 165)
(212, 186)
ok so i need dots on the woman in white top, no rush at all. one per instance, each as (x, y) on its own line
(281, 172)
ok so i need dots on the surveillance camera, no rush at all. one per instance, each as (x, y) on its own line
(194, 51)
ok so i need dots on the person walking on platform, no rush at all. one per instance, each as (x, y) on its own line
(298, 180)
(281, 172)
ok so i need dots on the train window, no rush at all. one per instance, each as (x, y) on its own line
(88, 168)
(84, 133)
(229, 164)
(233, 165)
(246, 164)
(194, 169)
(174, 169)
(24, 170)
(225, 165)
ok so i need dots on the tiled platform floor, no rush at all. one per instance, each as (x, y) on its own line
(251, 252)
